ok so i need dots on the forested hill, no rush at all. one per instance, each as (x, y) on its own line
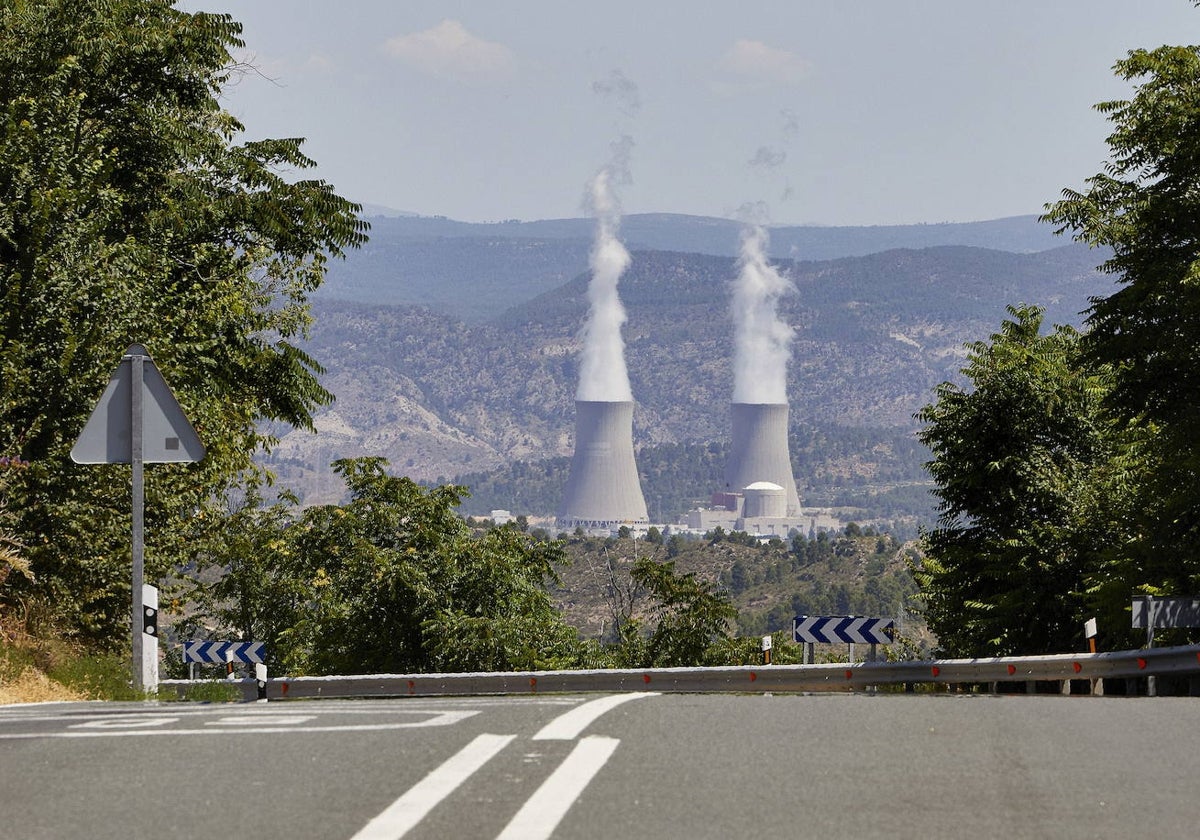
(471, 271)
(875, 334)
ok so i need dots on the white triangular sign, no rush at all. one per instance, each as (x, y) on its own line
(167, 435)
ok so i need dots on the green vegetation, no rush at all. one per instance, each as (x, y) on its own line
(858, 572)
(1016, 460)
(1067, 475)
(130, 213)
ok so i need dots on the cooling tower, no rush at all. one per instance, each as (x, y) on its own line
(603, 490)
(759, 450)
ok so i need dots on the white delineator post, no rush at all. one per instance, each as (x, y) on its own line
(149, 638)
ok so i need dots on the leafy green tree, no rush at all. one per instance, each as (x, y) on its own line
(393, 581)
(1016, 460)
(130, 212)
(690, 614)
(1145, 207)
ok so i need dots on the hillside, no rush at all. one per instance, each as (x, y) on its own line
(863, 574)
(441, 397)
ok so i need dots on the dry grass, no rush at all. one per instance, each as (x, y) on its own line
(32, 686)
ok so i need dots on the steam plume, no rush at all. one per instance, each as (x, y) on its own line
(762, 339)
(602, 375)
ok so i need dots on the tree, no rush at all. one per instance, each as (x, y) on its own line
(1145, 207)
(393, 581)
(1015, 466)
(130, 213)
(691, 614)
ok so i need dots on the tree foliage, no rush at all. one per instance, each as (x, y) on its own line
(130, 212)
(690, 614)
(1015, 459)
(393, 581)
(1145, 206)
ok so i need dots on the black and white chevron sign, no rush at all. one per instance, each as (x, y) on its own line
(218, 653)
(843, 629)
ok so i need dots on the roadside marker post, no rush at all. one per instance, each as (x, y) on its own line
(1090, 632)
(138, 421)
(150, 634)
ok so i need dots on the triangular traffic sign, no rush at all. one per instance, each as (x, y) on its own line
(167, 435)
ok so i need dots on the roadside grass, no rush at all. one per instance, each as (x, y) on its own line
(38, 670)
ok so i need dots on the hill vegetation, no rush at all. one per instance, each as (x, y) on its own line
(441, 398)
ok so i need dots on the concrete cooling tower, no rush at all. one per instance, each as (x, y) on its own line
(759, 451)
(603, 489)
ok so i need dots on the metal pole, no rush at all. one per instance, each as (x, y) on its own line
(1151, 686)
(139, 497)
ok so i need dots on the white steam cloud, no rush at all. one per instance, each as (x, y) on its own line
(603, 376)
(762, 340)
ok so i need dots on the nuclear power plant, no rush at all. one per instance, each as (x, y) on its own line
(603, 489)
(760, 491)
(604, 493)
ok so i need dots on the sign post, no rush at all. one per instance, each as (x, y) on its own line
(1151, 612)
(138, 421)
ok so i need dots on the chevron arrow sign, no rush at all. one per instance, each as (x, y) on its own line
(218, 653)
(843, 629)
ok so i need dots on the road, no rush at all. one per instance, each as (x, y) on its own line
(614, 766)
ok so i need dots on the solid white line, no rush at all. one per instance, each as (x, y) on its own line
(568, 725)
(411, 808)
(539, 816)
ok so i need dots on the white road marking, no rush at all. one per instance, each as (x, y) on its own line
(569, 725)
(105, 728)
(126, 722)
(541, 814)
(411, 808)
(260, 720)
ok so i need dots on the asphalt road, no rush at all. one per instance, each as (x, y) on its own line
(616, 766)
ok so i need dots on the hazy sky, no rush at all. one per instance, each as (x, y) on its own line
(831, 112)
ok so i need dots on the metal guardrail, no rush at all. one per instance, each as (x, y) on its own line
(739, 679)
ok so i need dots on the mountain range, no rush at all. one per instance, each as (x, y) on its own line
(452, 348)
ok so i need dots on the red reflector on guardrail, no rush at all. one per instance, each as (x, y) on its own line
(1012, 669)
(936, 670)
(1077, 667)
